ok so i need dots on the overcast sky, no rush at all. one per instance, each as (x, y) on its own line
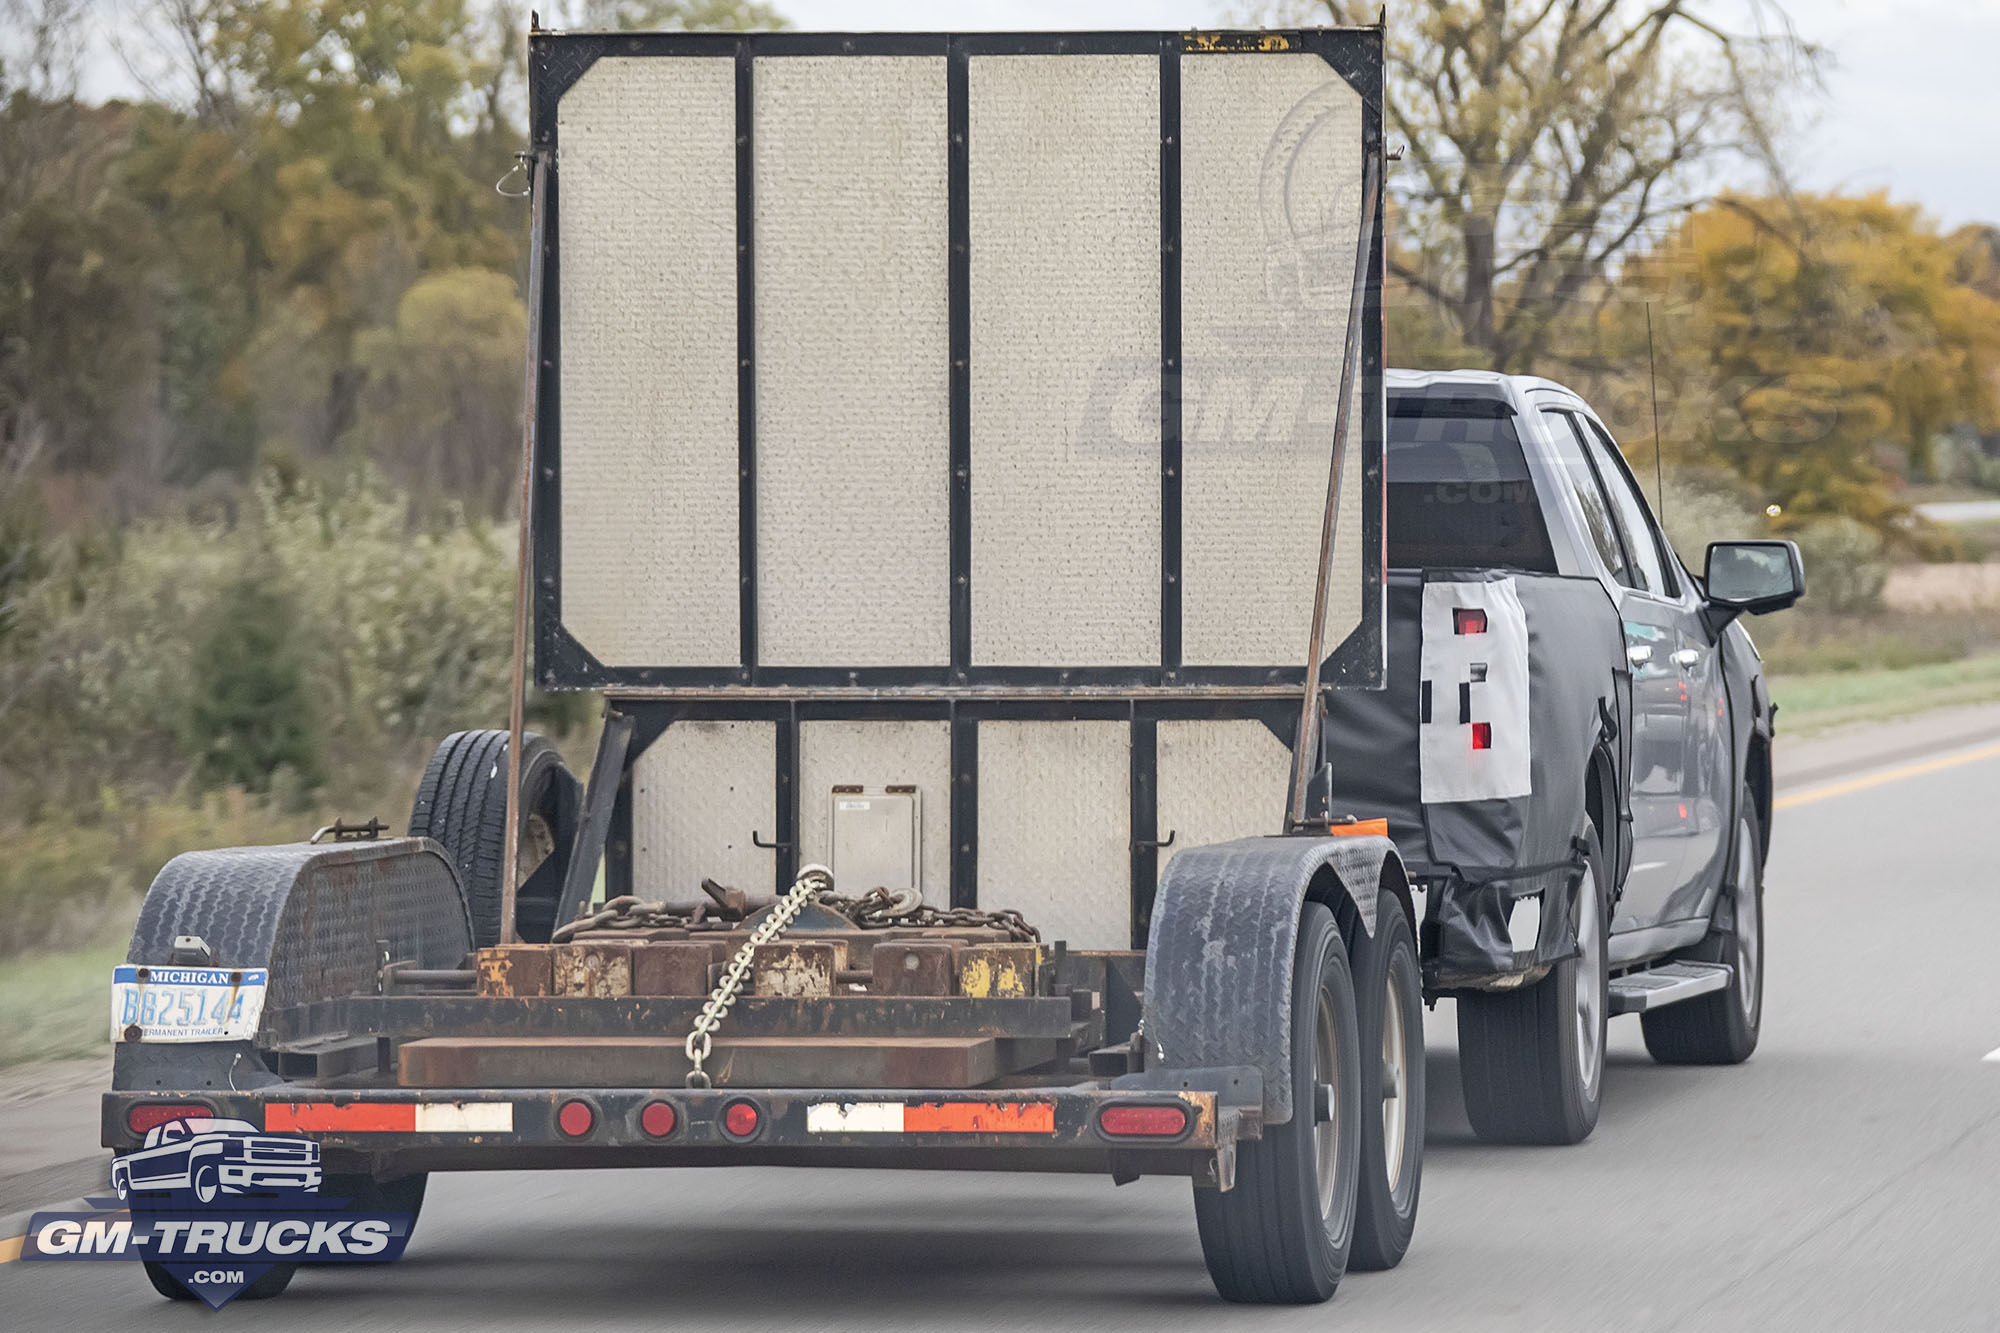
(1911, 103)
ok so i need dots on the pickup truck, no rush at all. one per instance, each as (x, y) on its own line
(1573, 751)
(209, 1157)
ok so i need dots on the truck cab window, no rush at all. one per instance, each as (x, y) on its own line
(1635, 521)
(1583, 481)
(1459, 491)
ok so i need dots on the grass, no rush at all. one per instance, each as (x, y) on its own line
(1820, 701)
(59, 1004)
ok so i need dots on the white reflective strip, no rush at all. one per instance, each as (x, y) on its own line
(465, 1117)
(854, 1118)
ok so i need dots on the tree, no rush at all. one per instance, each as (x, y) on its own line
(442, 409)
(676, 15)
(251, 716)
(1798, 335)
(1546, 140)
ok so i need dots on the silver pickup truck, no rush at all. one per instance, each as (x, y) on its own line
(1573, 751)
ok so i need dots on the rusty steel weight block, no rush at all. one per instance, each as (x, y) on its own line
(513, 970)
(916, 967)
(999, 971)
(594, 970)
(673, 968)
(793, 970)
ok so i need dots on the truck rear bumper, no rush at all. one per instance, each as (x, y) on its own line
(396, 1131)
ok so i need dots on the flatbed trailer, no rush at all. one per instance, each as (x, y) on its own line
(957, 460)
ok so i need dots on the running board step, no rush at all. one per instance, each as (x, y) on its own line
(1636, 992)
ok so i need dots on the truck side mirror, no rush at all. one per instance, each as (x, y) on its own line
(1757, 577)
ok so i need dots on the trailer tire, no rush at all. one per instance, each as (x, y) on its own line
(1283, 1235)
(404, 1194)
(1388, 995)
(1531, 1061)
(1722, 1028)
(273, 1282)
(462, 803)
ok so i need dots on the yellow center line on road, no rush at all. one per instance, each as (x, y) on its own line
(10, 1248)
(1881, 777)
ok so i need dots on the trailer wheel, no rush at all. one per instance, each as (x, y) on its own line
(1532, 1060)
(1282, 1236)
(1722, 1028)
(264, 1288)
(404, 1194)
(1388, 993)
(462, 803)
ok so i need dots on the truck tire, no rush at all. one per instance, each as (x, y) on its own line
(404, 1194)
(1721, 1028)
(273, 1282)
(1282, 1236)
(462, 803)
(1388, 996)
(1532, 1060)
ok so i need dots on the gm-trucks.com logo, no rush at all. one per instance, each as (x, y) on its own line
(214, 1207)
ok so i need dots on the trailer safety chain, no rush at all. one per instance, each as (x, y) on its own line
(813, 881)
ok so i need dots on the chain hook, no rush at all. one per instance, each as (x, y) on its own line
(813, 881)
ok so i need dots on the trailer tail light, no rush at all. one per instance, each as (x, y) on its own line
(1155, 1122)
(149, 1115)
(740, 1119)
(1482, 735)
(657, 1119)
(575, 1118)
(1468, 620)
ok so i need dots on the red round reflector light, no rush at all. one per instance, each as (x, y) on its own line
(1142, 1121)
(657, 1119)
(142, 1118)
(575, 1119)
(740, 1119)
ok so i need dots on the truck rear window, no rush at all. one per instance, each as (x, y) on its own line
(1459, 492)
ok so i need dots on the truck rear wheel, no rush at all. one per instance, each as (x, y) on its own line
(462, 803)
(1721, 1028)
(1282, 1236)
(1531, 1061)
(1388, 993)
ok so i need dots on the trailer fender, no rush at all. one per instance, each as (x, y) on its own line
(1219, 955)
(314, 916)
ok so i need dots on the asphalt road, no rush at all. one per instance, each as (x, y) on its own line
(1844, 1178)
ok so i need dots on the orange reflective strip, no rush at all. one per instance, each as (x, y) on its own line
(341, 1117)
(980, 1118)
(1361, 828)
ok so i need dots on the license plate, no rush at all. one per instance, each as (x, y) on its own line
(186, 1003)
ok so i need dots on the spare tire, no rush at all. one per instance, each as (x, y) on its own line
(462, 803)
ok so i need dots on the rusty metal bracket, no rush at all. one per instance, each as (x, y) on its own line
(607, 771)
(340, 831)
(1311, 706)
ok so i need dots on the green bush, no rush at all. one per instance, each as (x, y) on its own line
(1845, 571)
(250, 716)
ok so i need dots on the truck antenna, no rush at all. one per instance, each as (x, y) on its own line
(1653, 373)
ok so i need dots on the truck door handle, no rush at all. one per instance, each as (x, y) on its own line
(1638, 654)
(1686, 658)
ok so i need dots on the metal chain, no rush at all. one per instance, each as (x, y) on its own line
(878, 909)
(813, 881)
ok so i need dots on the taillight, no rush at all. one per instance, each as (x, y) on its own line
(657, 1119)
(575, 1118)
(1482, 735)
(148, 1115)
(1156, 1122)
(741, 1119)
